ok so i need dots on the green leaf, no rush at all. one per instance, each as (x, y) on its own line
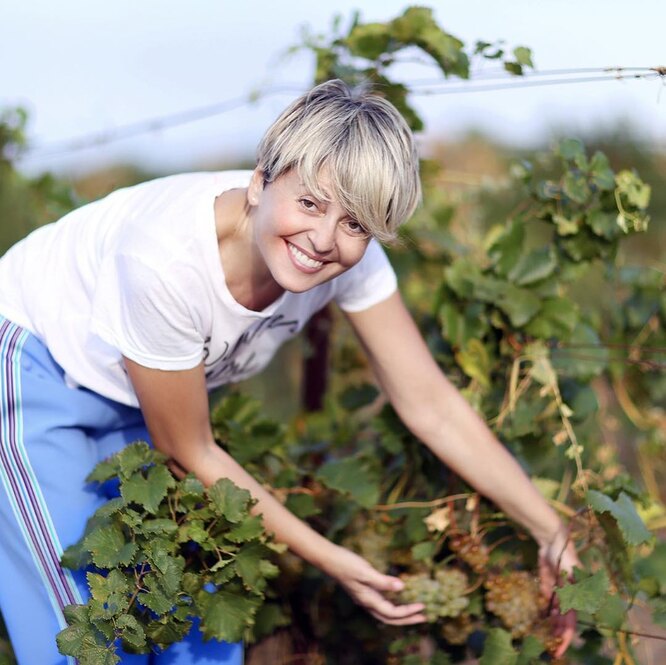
(612, 613)
(566, 226)
(623, 510)
(167, 631)
(520, 305)
(417, 26)
(250, 528)
(497, 649)
(600, 172)
(369, 41)
(575, 187)
(584, 338)
(268, 619)
(603, 224)
(505, 246)
(197, 532)
(82, 640)
(633, 188)
(585, 595)
(530, 651)
(104, 470)
(157, 596)
(558, 318)
(304, 505)
(474, 360)
(111, 507)
(249, 566)
(654, 566)
(229, 500)
(356, 397)
(137, 456)
(533, 267)
(514, 68)
(352, 476)
(658, 609)
(226, 615)
(458, 327)
(523, 56)
(570, 149)
(110, 594)
(132, 633)
(157, 527)
(109, 548)
(424, 551)
(148, 492)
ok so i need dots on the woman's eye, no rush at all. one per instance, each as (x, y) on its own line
(356, 228)
(308, 204)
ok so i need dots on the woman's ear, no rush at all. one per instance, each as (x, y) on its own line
(256, 187)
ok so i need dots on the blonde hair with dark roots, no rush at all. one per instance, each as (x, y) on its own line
(363, 144)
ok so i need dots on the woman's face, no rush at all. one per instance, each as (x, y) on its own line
(303, 240)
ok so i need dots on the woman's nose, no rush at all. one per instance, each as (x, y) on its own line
(322, 235)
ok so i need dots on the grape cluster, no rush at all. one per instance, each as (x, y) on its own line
(457, 630)
(543, 631)
(373, 544)
(443, 595)
(471, 550)
(515, 598)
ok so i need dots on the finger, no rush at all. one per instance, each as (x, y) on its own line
(382, 582)
(566, 630)
(406, 621)
(386, 610)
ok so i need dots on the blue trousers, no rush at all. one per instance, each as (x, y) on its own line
(51, 436)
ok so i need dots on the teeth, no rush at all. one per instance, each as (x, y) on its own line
(304, 260)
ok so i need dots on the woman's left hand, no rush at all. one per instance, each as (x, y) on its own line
(367, 586)
(557, 559)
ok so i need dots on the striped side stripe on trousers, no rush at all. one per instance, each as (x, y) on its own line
(19, 481)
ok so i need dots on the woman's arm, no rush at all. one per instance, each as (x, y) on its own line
(436, 412)
(175, 408)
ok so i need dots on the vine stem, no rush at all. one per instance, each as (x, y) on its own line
(422, 504)
(138, 585)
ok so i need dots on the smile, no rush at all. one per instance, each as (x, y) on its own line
(303, 260)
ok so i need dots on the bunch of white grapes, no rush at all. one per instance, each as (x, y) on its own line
(443, 594)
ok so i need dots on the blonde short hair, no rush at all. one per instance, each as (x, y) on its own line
(362, 142)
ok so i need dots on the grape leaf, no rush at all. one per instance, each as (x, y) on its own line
(108, 547)
(351, 476)
(623, 510)
(585, 595)
(225, 615)
(248, 565)
(82, 640)
(109, 594)
(132, 632)
(167, 631)
(137, 456)
(231, 501)
(530, 651)
(148, 492)
(250, 528)
(356, 397)
(497, 649)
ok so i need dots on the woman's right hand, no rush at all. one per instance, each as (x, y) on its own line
(367, 587)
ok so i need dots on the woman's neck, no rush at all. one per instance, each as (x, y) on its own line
(247, 277)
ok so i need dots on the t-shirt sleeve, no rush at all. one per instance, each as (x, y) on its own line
(144, 313)
(369, 282)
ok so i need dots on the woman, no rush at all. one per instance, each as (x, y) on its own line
(127, 312)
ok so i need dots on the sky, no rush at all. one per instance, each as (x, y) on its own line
(83, 67)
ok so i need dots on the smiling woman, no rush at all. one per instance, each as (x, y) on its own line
(116, 322)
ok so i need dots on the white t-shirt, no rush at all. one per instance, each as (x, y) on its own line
(138, 273)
